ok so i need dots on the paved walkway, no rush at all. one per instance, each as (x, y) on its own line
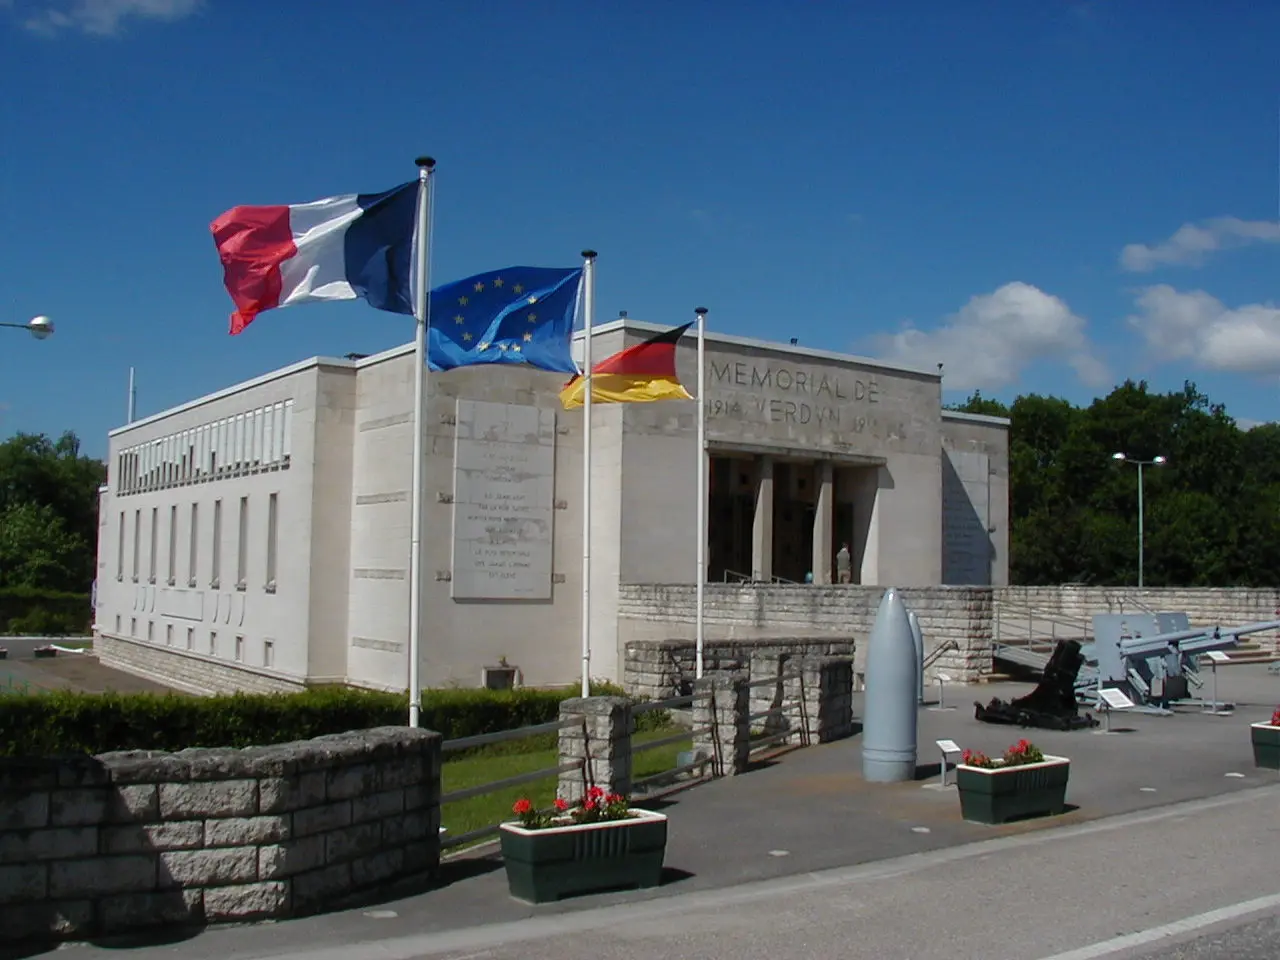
(809, 810)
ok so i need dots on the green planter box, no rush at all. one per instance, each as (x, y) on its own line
(1000, 794)
(1266, 745)
(555, 862)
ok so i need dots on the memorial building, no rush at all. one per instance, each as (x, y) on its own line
(258, 538)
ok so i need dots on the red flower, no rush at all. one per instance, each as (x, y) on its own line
(595, 793)
(522, 806)
(613, 798)
(561, 805)
(588, 804)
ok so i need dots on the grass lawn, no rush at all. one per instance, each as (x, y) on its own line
(491, 808)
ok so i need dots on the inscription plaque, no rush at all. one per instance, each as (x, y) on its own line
(503, 486)
(966, 544)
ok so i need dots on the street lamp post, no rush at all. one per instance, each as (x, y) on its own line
(38, 327)
(1153, 462)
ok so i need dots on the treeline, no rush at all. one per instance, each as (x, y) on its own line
(1212, 511)
(48, 533)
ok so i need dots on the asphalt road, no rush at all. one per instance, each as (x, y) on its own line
(1197, 877)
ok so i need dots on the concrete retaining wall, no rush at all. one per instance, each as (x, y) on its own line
(193, 672)
(120, 841)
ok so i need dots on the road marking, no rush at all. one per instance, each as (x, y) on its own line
(1129, 941)
(779, 853)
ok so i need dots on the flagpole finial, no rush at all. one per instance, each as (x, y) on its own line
(589, 254)
(700, 311)
(427, 162)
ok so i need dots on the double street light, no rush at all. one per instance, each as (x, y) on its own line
(38, 327)
(1153, 462)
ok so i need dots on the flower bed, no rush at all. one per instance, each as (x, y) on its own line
(1266, 742)
(602, 844)
(1024, 782)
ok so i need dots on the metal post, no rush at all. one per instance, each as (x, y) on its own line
(701, 563)
(588, 315)
(1141, 540)
(420, 311)
(133, 399)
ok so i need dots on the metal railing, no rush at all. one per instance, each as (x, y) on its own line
(932, 657)
(768, 739)
(1061, 626)
(672, 703)
(487, 739)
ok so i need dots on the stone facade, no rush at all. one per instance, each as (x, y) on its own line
(722, 731)
(120, 841)
(957, 617)
(186, 671)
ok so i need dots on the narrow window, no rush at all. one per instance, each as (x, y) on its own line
(133, 626)
(213, 643)
(268, 653)
(120, 550)
(117, 624)
(216, 575)
(137, 541)
(168, 634)
(273, 523)
(242, 548)
(194, 545)
(151, 631)
(191, 638)
(173, 544)
(155, 523)
(239, 649)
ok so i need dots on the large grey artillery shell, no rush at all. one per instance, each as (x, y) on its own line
(889, 712)
(917, 637)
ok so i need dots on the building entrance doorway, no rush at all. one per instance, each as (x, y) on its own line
(730, 512)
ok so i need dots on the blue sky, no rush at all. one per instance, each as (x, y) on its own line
(1048, 196)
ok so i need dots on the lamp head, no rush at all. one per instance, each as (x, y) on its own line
(1118, 456)
(1160, 461)
(40, 327)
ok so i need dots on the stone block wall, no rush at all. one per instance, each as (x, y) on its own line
(193, 672)
(121, 841)
(843, 613)
(659, 669)
(1205, 606)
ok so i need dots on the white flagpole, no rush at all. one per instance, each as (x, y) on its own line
(588, 318)
(702, 479)
(425, 166)
(133, 399)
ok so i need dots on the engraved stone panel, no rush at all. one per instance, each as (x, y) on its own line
(503, 485)
(966, 543)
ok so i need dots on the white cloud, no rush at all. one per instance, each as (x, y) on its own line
(99, 17)
(1196, 326)
(988, 342)
(1191, 243)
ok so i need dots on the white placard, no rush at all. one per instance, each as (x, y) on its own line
(1114, 698)
(1217, 656)
(948, 746)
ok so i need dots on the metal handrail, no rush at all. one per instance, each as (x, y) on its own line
(790, 675)
(667, 741)
(671, 703)
(938, 651)
(1022, 612)
(502, 736)
(495, 785)
(741, 577)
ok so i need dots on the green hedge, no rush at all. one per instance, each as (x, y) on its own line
(52, 613)
(65, 722)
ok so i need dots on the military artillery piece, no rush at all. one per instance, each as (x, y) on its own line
(1155, 658)
(1052, 705)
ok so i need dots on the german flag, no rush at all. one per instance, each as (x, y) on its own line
(640, 374)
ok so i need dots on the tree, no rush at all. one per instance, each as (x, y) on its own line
(48, 512)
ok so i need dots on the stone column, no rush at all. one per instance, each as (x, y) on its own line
(828, 698)
(762, 522)
(598, 743)
(823, 518)
(720, 710)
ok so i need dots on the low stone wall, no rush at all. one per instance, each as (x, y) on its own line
(1204, 606)
(841, 612)
(120, 841)
(659, 669)
(184, 670)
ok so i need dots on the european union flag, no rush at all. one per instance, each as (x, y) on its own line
(517, 315)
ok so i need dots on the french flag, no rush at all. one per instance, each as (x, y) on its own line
(360, 245)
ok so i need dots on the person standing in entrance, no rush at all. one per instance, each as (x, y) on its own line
(843, 564)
